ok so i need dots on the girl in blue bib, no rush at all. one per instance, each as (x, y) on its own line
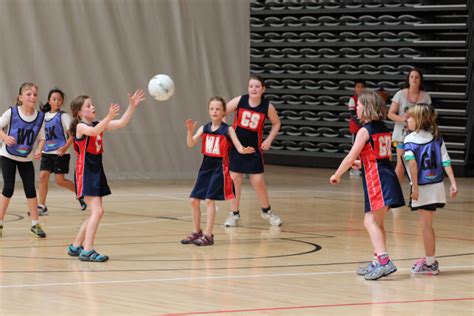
(426, 156)
(20, 127)
(55, 157)
(213, 181)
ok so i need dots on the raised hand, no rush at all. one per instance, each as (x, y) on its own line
(114, 110)
(190, 125)
(136, 98)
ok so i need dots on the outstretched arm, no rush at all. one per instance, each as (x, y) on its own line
(361, 139)
(133, 102)
(84, 129)
(235, 140)
(190, 139)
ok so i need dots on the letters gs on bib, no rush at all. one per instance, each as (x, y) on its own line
(250, 120)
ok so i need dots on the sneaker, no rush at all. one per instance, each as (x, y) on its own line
(232, 220)
(420, 267)
(365, 269)
(38, 231)
(272, 218)
(92, 256)
(380, 270)
(191, 237)
(204, 240)
(1, 230)
(74, 251)
(42, 210)
(83, 203)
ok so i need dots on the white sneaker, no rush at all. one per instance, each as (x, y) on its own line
(355, 172)
(232, 220)
(272, 218)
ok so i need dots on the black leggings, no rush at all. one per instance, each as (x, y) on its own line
(27, 174)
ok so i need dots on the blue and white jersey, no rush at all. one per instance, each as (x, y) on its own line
(431, 156)
(56, 125)
(26, 129)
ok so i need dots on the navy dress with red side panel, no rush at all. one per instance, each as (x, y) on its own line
(90, 176)
(381, 185)
(248, 125)
(214, 181)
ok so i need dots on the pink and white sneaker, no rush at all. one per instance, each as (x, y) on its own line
(420, 267)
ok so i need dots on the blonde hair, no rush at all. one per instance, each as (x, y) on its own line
(23, 87)
(374, 106)
(425, 117)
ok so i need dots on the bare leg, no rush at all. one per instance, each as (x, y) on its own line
(237, 178)
(81, 234)
(4, 201)
(43, 186)
(196, 208)
(211, 216)
(65, 183)
(426, 220)
(376, 233)
(33, 208)
(258, 184)
(97, 212)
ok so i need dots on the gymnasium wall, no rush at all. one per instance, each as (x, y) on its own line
(107, 48)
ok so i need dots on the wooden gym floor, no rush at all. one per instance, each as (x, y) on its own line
(305, 267)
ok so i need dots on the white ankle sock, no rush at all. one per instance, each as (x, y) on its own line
(33, 223)
(430, 260)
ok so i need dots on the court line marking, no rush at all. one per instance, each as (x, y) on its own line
(324, 306)
(224, 277)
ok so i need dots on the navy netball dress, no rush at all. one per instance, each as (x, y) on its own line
(248, 125)
(214, 181)
(381, 185)
(90, 177)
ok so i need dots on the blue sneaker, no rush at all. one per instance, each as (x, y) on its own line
(92, 256)
(74, 251)
(380, 270)
(364, 269)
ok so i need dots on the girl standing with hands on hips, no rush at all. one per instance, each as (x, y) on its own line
(426, 156)
(251, 110)
(55, 157)
(402, 101)
(214, 181)
(24, 125)
(382, 190)
(91, 182)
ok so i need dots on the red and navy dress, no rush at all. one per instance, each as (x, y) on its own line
(248, 125)
(214, 181)
(90, 177)
(381, 185)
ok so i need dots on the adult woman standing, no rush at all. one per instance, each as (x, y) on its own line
(413, 93)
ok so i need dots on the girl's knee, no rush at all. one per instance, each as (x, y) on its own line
(194, 202)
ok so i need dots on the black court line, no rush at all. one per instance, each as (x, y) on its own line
(315, 248)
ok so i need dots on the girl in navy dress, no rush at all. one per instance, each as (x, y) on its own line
(382, 189)
(250, 112)
(213, 182)
(55, 158)
(20, 126)
(91, 182)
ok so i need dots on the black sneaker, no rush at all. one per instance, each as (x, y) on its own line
(38, 231)
(92, 256)
(83, 203)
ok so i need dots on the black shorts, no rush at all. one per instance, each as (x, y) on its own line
(428, 207)
(54, 163)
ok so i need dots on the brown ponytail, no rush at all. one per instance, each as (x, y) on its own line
(76, 106)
